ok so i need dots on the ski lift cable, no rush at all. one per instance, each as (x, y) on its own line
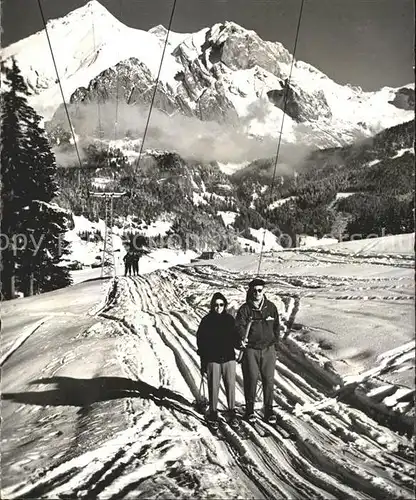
(117, 79)
(100, 129)
(62, 92)
(282, 123)
(157, 82)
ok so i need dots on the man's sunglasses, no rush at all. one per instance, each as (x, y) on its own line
(258, 290)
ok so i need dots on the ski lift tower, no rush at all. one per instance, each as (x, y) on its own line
(108, 265)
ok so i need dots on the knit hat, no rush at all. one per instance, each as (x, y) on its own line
(256, 282)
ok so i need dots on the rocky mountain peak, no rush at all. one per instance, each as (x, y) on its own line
(404, 98)
(92, 10)
(159, 31)
(223, 73)
(240, 49)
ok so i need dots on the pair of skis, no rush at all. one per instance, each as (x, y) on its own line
(263, 427)
(215, 426)
(240, 427)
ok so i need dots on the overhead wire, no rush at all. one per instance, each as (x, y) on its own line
(287, 82)
(117, 80)
(157, 82)
(100, 129)
(62, 93)
(99, 115)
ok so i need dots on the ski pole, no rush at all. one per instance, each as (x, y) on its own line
(201, 389)
(258, 393)
(241, 353)
(202, 395)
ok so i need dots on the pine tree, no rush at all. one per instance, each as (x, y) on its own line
(15, 166)
(28, 169)
(43, 251)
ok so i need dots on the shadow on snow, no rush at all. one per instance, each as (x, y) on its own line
(84, 392)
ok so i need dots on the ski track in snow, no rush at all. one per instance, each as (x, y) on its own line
(338, 451)
(21, 339)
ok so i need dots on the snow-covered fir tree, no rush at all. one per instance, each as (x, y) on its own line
(32, 260)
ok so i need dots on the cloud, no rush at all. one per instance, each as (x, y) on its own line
(188, 136)
(67, 156)
(258, 110)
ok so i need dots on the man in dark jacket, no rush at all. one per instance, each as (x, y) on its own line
(128, 260)
(216, 339)
(259, 318)
(135, 263)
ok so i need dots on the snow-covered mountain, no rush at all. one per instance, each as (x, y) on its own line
(222, 73)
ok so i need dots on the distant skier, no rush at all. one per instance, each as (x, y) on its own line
(259, 356)
(128, 261)
(135, 263)
(216, 339)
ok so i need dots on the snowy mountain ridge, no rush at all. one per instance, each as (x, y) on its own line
(224, 73)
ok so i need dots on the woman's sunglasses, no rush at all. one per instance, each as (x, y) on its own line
(219, 304)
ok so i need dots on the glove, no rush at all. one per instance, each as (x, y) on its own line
(284, 329)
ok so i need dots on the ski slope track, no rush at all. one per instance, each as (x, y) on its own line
(135, 432)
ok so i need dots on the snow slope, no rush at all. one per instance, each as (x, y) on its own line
(389, 244)
(97, 396)
(86, 252)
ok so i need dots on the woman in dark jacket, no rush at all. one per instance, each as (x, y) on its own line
(216, 339)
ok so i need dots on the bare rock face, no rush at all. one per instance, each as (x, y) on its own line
(404, 99)
(226, 47)
(129, 81)
(200, 84)
(300, 105)
(215, 106)
(238, 48)
(194, 79)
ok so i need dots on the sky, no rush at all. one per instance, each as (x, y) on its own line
(363, 42)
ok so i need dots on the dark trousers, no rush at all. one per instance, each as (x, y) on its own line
(135, 268)
(214, 373)
(259, 362)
